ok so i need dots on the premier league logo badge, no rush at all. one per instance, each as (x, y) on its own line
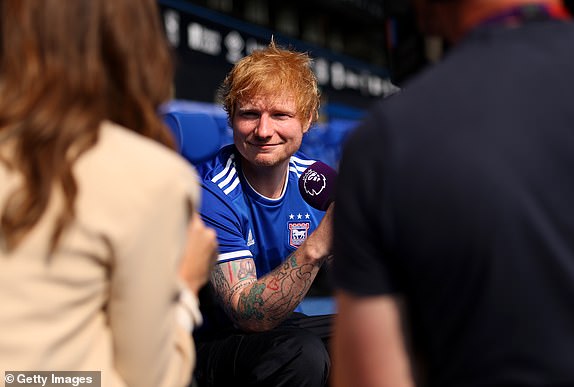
(313, 182)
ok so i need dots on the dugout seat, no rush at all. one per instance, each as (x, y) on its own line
(197, 135)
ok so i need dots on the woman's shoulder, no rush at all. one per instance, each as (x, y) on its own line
(129, 147)
(124, 160)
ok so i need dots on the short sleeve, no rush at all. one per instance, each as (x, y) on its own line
(219, 212)
(362, 256)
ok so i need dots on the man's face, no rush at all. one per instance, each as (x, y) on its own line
(267, 130)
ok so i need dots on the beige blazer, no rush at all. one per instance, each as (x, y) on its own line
(106, 300)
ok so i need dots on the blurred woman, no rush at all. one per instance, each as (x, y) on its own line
(95, 208)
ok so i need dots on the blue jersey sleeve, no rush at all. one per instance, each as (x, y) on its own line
(219, 213)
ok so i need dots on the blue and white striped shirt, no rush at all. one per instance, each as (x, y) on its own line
(249, 225)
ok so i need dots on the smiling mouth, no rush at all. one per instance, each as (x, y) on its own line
(263, 146)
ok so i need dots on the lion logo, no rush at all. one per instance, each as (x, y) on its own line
(314, 182)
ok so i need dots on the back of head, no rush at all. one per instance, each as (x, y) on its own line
(270, 71)
(65, 68)
(107, 58)
(452, 19)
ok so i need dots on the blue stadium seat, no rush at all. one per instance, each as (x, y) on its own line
(197, 135)
(224, 129)
(316, 306)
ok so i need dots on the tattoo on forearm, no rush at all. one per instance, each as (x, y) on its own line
(252, 302)
(274, 296)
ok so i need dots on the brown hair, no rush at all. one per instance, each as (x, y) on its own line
(65, 68)
(268, 70)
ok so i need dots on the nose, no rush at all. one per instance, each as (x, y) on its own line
(264, 127)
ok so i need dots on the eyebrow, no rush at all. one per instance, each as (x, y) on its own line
(243, 109)
(273, 108)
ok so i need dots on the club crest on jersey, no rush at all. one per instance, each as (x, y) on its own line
(298, 233)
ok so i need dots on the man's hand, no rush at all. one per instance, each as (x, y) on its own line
(319, 245)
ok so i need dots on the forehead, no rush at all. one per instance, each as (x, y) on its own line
(268, 102)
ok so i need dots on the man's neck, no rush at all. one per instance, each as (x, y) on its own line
(267, 181)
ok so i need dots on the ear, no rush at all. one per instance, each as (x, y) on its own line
(307, 124)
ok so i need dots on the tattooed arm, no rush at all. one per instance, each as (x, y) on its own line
(259, 304)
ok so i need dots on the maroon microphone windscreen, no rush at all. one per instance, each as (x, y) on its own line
(317, 185)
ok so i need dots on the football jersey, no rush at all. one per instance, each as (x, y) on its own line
(248, 224)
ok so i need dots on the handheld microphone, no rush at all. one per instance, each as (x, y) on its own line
(317, 185)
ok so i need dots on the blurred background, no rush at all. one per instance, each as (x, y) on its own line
(363, 50)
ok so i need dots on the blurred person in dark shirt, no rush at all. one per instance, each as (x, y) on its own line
(454, 224)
